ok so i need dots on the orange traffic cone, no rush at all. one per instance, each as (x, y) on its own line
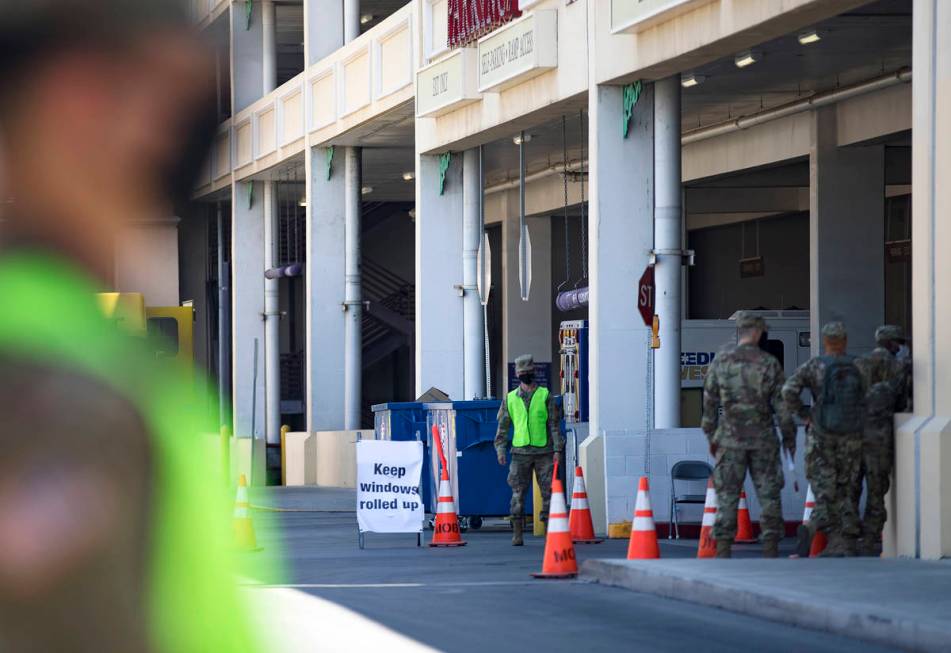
(744, 527)
(643, 544)
(580, 523)
(819, 541)
(243, 527)
(446, 529)
(708, 546)
(559, 560)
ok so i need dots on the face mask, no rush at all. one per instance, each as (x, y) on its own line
(903, 352)
(526, 377)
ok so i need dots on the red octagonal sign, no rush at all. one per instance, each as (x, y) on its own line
(645, 296)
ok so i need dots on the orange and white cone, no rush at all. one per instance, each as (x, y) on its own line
(744, 526)
(559, 560)
(580, 523)
(708, 545)
(446, 529)
(643, 544)
(819, 540)
(243, 527)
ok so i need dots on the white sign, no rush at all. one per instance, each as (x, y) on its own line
(447, 84)
(523, 49)
(637, 15)
(388, 475)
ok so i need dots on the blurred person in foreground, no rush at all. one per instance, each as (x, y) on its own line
(113, 532)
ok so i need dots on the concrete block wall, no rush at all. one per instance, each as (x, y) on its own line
(632, 454)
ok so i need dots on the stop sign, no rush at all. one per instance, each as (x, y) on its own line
(645, 296)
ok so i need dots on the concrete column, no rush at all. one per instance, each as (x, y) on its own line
(353, 330)
(224, 318)
(272, 321)
(351, 20)
(668, 242)
(439, 306)
(846, 234)
(474, 334)
(620, 223)
(247, 51)
(922, 488)
(247, 300)
(269, 47)
(324, 279)
(323, 28)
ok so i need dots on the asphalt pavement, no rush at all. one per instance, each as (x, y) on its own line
(481, 596)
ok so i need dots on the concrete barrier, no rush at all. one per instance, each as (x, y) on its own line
(300, 459)
(325, 458)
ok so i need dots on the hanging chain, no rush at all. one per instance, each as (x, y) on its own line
(564, 145)
(584, 222)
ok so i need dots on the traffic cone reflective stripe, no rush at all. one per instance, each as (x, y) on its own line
(243, 526)
(744, 526)
(446, 529)
(643, 544)
(819, 540)
(559, 560)
(580, 523)
(708, 546)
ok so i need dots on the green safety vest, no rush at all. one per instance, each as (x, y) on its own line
(531, 426)
(50, 316)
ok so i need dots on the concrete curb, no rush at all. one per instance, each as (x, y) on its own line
(797, 607)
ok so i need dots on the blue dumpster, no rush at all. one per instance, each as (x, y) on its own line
(405, 420)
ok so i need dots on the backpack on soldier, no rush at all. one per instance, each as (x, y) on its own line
(841, 408)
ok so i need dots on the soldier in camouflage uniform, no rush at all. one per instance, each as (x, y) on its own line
(536, 441)
(888, 380)
(833, 451)
(746, 382)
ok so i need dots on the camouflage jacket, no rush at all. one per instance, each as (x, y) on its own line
(888, 380)
(745, 381)
(810, 375)
(502, 439)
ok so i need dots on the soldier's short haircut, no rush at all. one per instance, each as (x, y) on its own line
(743, 332)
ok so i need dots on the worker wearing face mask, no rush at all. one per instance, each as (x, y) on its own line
(536, 443)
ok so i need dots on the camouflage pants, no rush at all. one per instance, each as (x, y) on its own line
(832, 467)
(876, 466)
(520, 479)
(729, 474)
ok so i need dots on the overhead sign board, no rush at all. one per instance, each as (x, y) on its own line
(447, 84)
(523, 49)
(637, 15)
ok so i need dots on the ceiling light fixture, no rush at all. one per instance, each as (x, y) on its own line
(518, 139)
(366, 18)
(809, 36)
(366, 190)
(409, 175)
(691, 79)
(302, 201)
(412, 214)
(746, 58)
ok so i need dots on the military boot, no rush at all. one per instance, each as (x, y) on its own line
(771, 548)
(724, 549)
(849, 547)
(835, 548)
(518, 524)
(869, 547)
(804, 535)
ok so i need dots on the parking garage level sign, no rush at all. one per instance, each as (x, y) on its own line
(645, 296)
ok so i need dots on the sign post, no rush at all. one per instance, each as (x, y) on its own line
(388, 478)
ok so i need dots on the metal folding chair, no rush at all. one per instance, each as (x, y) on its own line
(685, 470)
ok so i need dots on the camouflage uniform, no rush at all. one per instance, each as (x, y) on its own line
(888, 380)
(526, 459)
(746, 381)
(832, 459)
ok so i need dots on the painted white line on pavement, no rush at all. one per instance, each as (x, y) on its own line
(487, 583)
(291, 621)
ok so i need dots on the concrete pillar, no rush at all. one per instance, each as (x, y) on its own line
(620, 223)
(269, 47)
(846, 234)
(922, 487)
(474, 334)
(272, 321)
(247, 48)
(247, 300)
(323, 28)
(668, 242)
(224, 319)
(439, 311)
(353, 330)
(351, 20)
(324, 279)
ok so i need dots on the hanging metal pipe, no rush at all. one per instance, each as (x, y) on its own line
(570, 300)
(473, 326)
(668, 248)
(269, 47)
(523, 262)
(272, 324)
(224, 350)
(353, 331)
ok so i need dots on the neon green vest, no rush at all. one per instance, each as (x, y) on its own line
(531, 426)
(50, 316)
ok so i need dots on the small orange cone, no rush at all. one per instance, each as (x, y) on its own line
(446, 529)
(243, 527)
(643, 543)
(580, 523)
(744, 527)
(708, 545)
(819, 541)
(559, 560)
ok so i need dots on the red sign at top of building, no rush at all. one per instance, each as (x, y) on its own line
(470, 19)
